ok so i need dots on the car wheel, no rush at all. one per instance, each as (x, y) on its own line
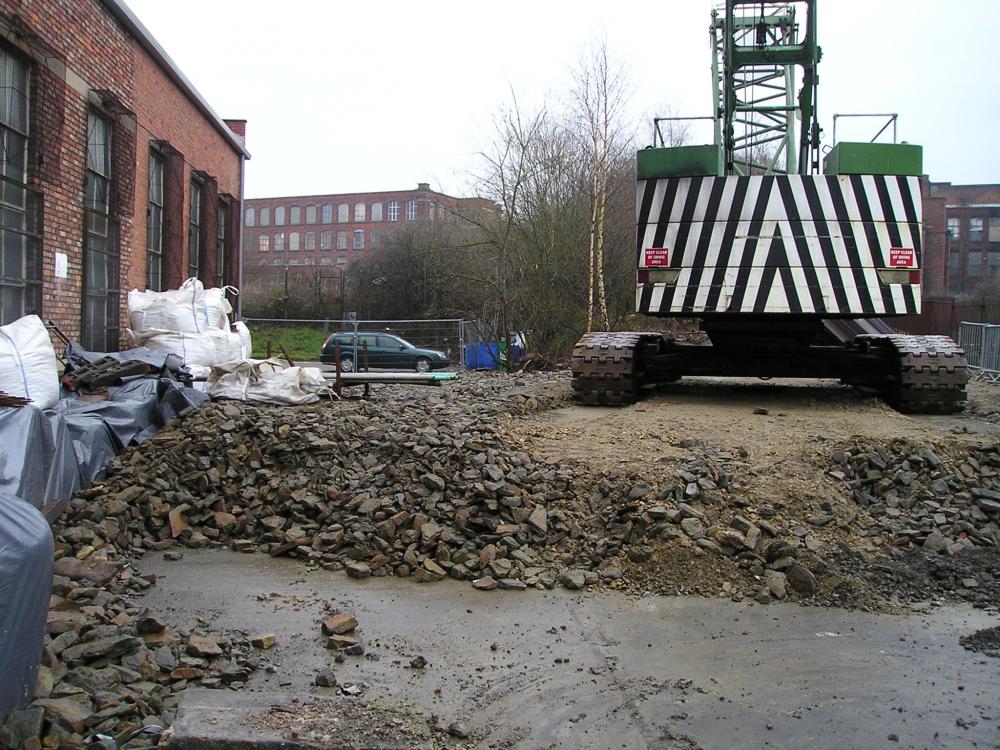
(347, 363)
(422, 364)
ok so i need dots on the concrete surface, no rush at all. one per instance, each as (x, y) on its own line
(601, 670)
(222, 720)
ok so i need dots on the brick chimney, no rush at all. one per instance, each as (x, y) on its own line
(239, 128)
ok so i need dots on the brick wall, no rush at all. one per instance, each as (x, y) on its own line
(971, 266)
(934, 258)
(80, 50)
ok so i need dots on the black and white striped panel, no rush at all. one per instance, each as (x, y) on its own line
(808, 244)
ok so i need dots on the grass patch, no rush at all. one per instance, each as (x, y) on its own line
(303, 343)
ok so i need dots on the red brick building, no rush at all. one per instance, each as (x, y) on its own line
(333, 230)
(115, 172)
(964, 239)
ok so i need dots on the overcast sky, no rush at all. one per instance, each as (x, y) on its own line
(357, 96)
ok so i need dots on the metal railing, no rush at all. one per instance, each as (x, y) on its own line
(981, 342)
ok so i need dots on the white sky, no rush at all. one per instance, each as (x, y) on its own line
(361, 95)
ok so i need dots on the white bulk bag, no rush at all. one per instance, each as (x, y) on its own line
(209, 348)
(246, 344)
(190, 309)
(28, 362)
(267, 381)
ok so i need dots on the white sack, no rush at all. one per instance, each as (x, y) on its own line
(246, 344)
(266, 381)
(28, 362)
(210, 348)
(190, 309)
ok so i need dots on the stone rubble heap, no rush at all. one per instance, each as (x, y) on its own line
(421, 487)
(942, 499)
(112, 668)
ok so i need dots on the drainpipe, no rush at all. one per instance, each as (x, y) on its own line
(239, 246)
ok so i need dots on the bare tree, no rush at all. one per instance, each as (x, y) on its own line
(510, 166)
(600, 95)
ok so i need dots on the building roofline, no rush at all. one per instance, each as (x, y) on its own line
(131, 22)
(360, 193)
(972, 185)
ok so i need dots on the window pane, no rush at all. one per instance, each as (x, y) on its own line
(310, 240)
(325, 240)
(341, 240)
(310, 214)
(327, 213)
(359, 211)
(279, 216)
(263, 243)
(13, 92)
(97, 144)
(293, 241)
(994, 235)
(376, 212)
(342, 210)
(359, 239)
(295, 216)
(265, 216)
(975, 229)
(249, 219)
(393, 210)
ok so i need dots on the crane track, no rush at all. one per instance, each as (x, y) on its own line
(932, 375)
(929, 375)
(607, 367)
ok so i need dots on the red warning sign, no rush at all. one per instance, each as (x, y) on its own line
(902, 257)
(656, 257)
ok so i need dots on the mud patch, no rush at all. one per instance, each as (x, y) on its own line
(973, 575)
(986, 641)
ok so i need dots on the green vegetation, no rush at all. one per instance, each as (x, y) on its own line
(303, 343)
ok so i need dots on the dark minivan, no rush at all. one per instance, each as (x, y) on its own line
(384, 351)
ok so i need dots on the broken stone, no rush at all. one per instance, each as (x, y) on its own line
(573, 579)
(339, 624)
(263, 641)
(801, 579)
(486, 583)
(358, 570)
(327, 678)
(100, 648)
(199, 645)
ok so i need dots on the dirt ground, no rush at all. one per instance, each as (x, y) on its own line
(725, 414)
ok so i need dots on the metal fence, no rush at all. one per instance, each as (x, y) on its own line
(943, 315)
(981, 342)
(446, 335)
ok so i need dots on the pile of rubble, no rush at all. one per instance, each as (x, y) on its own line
(942, 498)
(112, 668)
(426, 485)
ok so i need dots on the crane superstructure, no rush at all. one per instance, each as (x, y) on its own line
(790, 264)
